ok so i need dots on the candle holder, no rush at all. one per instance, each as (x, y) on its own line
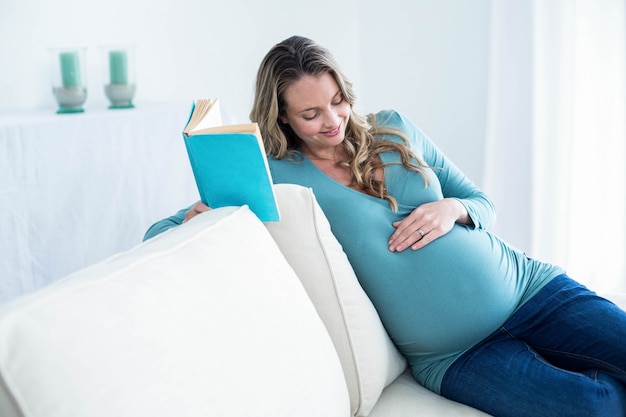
(119, 75)
(69, 79)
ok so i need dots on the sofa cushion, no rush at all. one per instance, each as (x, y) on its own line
(406, 398)
(369, 359)
(207, 319)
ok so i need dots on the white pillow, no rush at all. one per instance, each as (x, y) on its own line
(369, 359)
(207, 319)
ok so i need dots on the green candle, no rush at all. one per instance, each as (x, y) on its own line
(70, 69)
(118, 67)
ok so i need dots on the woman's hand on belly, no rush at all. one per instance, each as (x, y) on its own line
(426, 223)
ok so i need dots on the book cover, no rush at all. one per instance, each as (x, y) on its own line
(230, 166)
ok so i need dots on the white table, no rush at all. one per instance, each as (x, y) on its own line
(78, 188)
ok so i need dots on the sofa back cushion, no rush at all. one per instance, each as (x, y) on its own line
(207, 319)
(369, 359)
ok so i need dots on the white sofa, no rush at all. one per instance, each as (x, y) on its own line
(222, 316)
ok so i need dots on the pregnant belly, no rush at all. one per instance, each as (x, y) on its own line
(444, 297)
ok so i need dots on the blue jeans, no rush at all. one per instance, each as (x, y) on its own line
(562, 354)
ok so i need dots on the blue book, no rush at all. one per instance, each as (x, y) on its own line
(229, 162)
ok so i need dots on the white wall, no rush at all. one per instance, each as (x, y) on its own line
(185, 48)
(427, 58)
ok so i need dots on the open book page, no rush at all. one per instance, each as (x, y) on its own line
(205, 113)
(241, 128)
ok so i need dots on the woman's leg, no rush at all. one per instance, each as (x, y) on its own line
(506, 378)
(562, 354)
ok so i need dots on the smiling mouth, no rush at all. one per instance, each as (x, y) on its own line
(334, 131)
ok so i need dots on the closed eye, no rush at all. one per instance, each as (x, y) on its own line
(309, 118)
(338, 100)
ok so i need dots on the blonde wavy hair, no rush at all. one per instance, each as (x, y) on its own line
(286, 63)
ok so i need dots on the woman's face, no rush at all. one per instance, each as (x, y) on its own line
(317, 112)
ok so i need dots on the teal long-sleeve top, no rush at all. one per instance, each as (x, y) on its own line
(444, 298)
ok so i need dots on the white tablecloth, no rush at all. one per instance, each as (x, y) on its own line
(78, 188)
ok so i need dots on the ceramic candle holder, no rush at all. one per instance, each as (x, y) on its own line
(119, 75)
(69, 79)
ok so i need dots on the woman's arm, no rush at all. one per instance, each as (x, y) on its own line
(176, 220)
(165, 224)
(454, 183)
(462, 202)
